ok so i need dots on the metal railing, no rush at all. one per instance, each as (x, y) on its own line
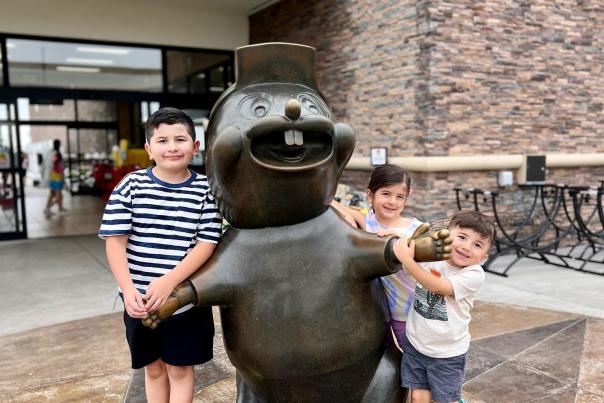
(560, 225)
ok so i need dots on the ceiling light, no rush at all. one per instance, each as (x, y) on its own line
(79, 69)
(98, 62)
(98, 49)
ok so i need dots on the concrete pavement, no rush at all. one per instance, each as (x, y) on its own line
(536, 334)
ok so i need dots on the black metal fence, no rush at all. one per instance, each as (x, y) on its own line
(558, 224)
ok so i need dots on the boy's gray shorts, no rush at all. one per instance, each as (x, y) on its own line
(442, 376)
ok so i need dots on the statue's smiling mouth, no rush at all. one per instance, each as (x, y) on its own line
(288, 146)
(281, 148)
(287, 153)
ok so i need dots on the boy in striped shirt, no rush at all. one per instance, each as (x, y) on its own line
(160, 225)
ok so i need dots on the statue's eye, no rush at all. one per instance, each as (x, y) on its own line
(255, 106)
(259, 111)
(312, 105)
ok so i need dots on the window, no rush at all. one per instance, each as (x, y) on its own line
(198, 72)
(1, 65)
(83, 66)
(96, 111)
(148, 108)
(30, 109)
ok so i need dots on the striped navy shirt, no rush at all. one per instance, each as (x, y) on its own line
(163, 222)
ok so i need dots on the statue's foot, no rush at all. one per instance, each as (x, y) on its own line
(245, 393)
(385, 385)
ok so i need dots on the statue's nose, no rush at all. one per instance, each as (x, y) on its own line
(293, 109)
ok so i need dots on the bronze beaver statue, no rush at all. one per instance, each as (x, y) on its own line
(291, 277)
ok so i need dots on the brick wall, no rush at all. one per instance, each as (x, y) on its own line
(456, 78)
(366, 64)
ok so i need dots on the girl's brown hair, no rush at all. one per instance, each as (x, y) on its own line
(387, 175)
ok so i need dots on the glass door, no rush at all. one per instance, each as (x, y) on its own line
(12, 164)
(89, 151)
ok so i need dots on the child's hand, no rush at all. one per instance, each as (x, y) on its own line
(183, 294)
(403, 249)
(350, 220)
(343, 212)
(134, 303)
(158, 292)
(386, 232)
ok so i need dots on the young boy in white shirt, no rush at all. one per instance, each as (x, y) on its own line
(437, 336)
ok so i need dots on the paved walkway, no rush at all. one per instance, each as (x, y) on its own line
(537, 335)
(83, 214)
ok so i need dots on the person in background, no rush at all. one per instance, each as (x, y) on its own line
(56, 179)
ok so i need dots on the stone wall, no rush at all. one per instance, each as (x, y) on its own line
(517, 76)
(366, 64)
(428, 78)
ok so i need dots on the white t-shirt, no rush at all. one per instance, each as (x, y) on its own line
(438, 326)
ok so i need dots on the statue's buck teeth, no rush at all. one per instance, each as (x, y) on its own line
(294, 137)
(289, 137)
(298, 137)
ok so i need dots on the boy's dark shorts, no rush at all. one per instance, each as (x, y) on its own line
(442, 376)
(184, 339)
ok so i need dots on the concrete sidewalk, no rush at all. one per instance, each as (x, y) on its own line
(532, 283)
(54, 280)
(536, 334)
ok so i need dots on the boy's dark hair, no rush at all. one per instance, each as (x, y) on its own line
(387, 175)
(169, 116)
(476, 221)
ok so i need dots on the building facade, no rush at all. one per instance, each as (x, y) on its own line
(458, 91)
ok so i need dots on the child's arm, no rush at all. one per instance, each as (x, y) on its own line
(405, 254)
(353, 217)
(115, 247)
(383, 233)
(159, 290)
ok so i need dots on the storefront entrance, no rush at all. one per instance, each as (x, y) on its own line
(93, 97)
(87, 131)
(12, 200)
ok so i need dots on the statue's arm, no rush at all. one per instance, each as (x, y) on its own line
(374, 256)
(211, 283)
(207, 286)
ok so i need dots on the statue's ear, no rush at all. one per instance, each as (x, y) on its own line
(345, 141)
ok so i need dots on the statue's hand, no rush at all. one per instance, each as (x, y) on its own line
(183, 294)
(431, 246)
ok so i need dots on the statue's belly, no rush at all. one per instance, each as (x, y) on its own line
(301, 327)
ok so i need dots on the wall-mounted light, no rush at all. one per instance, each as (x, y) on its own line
(505, 178)
(378, 155)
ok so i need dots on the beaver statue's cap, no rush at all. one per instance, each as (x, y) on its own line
(275, 62)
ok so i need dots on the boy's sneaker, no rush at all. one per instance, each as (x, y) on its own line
(462, 401)
(47, 212)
